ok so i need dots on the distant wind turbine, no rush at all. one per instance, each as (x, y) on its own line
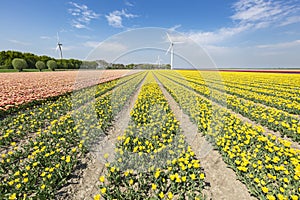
(59, 47)
(171, 49)
(158, 61)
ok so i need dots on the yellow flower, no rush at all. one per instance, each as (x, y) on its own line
(157, 173)
(193, 176)
(68, 159)
(161, 195)
(270, 197)
(103, 190)
(112, 169)
(43, 186)
(13, 196)
(294, 197)
(102, 179)
(154, 186)
(97, 197)
(18, 186)
(170, 195)
(25, 180)
(202, 176)
(130, 181)
(265, 189)
(106, 155)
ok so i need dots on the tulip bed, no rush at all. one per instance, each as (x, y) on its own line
(41, 144)
(274, 98)
(152, 159)
(18, 89)
(273, 118)
(268, 166)
(40, 165)
(37, 118)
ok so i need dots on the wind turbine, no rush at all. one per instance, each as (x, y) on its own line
(59, 47)
(171, 49)
(158, 61)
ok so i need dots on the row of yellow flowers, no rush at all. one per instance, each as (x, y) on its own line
(268, 166)
(274, 119)
(41, 165)
(279, 85)
(152, 159)
(286, 104)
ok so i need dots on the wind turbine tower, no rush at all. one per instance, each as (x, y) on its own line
(171, 49)
(59, 47)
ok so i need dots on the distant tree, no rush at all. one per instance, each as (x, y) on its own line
(40, 65)
(51, 64)
(19, 64)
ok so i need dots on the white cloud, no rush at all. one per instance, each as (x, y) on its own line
(115, 18)
(127, 3)
(19, 42)
(280, 45)
(290, 20)
(217, 36)
(250, 15)
(82, 15)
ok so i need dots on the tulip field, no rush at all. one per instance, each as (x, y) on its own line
(251, 119)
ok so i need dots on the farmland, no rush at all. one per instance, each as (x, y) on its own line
(248, 123)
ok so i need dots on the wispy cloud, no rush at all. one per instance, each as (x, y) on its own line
(290, 20)
(280, 45)
(82, 15)
(127, 3)
(174, 28)
(251, 15)
(19, 42)
(115, 18)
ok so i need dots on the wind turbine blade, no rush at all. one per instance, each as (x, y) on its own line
(169, 49)
(169, 37)
(178, 42)
(57, 48)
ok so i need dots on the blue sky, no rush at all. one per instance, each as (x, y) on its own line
(233, 33)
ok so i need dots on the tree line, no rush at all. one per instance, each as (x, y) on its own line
(19, 60)
(32, 61)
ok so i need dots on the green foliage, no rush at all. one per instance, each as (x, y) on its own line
(40, 65)
(6, 58)
(51, 64)
(19, 64)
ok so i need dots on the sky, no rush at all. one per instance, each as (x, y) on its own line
(231, 33)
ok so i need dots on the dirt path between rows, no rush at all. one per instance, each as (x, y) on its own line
(84, 183)
(223, 180)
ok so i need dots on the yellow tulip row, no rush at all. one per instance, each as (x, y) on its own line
(286, 104)
(268, 166)
(152, 159)
(274, 119)
(40, 166)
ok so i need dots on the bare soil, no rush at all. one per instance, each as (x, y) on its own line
(222, 181)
